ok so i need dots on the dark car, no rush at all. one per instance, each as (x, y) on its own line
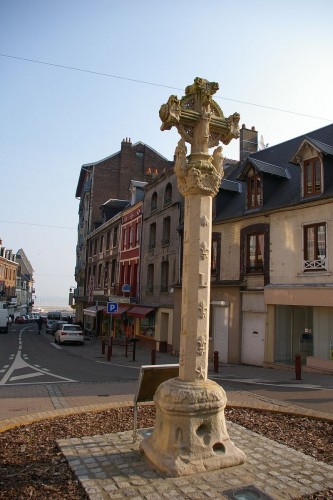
(20, 320)
(51, 326)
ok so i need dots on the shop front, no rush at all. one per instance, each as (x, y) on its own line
(143, 318)
(93, 320)
(121, 325)
(300, 324)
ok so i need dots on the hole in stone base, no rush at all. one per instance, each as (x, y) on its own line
(218, 448)
(203, 429)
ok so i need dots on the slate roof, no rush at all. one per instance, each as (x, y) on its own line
(275, 165)
(268, 168)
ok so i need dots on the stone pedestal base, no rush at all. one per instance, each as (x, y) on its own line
(190, 433)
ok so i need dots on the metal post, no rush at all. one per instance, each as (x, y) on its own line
(134, 346)
(298, 367)
(103, 345)
(216, 361)
(153, 356)
(109, 354)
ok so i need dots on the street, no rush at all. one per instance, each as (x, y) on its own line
(29, 358)
(37, 375)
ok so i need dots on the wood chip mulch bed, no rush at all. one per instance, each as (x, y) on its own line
(32, 466)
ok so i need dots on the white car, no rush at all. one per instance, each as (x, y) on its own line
(69, 333)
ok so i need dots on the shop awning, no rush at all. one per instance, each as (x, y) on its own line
(91, 311)
(140, 311)
(122, 308)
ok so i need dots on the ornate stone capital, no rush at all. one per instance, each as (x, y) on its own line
(199, 173)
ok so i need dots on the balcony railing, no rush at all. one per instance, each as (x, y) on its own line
(315, 265)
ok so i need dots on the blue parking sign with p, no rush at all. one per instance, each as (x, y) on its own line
(112, 307)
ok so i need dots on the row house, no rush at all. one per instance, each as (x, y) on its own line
(8, 274)
(160, 261)
(16, 281)
(113, 266)
(274, 298)
(102, 268)
(105, 179)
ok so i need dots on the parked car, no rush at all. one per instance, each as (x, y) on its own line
(51, 326)
(20, 320)
(69, 333)
(4, 318)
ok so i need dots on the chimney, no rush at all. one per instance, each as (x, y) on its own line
(248, 142)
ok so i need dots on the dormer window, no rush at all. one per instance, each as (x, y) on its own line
(312, 177)
(254, 189)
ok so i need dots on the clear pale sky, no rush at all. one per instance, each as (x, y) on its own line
(272, 54)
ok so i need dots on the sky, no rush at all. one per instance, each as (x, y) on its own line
(78, 76)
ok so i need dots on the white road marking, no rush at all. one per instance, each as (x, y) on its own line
(123, 366)
(19, 363)
(257, 381)
(28, 375)
(56, 346)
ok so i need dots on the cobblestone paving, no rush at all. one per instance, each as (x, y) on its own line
(111, 466)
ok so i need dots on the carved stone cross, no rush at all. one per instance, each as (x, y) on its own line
(190, 433)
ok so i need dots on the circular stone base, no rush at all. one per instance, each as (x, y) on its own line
(190, 433)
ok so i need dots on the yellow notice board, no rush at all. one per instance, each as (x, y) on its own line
(331, 349)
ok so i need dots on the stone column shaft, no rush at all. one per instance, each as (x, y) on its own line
(196, 291)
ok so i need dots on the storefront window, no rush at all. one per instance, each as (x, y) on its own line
(147, 326)
(293, 333)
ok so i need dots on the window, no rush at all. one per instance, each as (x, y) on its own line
(114, 265)
(124, 238)
(254, 189)
(130, 237)
(152, 236)
(137, 233)
(95, 247)
(115, 236)
(165, 276)
(215, 255)
(150, 278)
(168, 194)
(99, 276)
(108, 235)
(312, 177)
(106, 275)
(153, 203)
(255, 253)
(166, 231)
(315, 247)
(101, 244)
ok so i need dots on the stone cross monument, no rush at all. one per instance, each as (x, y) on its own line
(190, 433)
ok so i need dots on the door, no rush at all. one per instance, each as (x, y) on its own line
(221, 331)
(253, 338)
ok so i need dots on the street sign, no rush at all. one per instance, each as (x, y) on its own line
(112, 307)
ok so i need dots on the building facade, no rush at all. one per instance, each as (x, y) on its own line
(103, 180)
(274, 214)
(161, 259)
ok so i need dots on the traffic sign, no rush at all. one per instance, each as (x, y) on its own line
(112, 307)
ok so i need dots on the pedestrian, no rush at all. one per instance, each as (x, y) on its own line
(39, 324)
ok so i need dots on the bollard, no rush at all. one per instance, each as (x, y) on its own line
(103, 345)
(153, 356)
(298, 367)
(109, 354)
(216, 361)
(126, 347)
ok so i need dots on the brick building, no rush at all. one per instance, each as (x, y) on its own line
(103, 180)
